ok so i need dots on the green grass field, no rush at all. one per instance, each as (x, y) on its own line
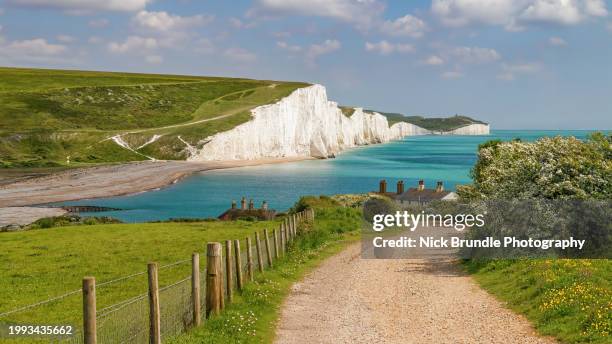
(570, 299)
(48, 116)
(40, 264)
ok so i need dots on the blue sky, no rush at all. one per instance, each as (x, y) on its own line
(518, 64)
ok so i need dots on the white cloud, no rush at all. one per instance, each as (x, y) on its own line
(36, 50)
(596, 8)
(407, 25)
(509, 71)
(514, 14)
(154, 59)
(433, 60)
(84, 5)
(557, 42)
(38, 46)
(98, 23)
(133, 43)
(362, 13)
(452, 75)
(292, 48)
(385, 48)
(240, 54)
(316, 50)
(164, 22)
(476, 55)
(66, 39)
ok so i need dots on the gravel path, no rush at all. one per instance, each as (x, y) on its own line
(353, 300)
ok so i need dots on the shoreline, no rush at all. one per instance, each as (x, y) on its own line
(112, 180)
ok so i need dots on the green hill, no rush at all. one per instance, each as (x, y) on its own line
(48, 116)
(432, 123)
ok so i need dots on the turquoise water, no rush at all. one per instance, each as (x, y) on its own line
(208, 194)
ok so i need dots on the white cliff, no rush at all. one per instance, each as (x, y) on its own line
(470, 129)
(305, 123)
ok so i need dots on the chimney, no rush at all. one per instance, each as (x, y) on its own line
(233, 204)
(264, 205)
(421, 185)
(243, 203)
(439, 186)
(400, 187)
(251, 204)
(382, 186)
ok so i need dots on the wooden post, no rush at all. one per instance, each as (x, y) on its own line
(275, 238)
(89, 310)
(288, 227)
(195, 288)
(258, 248)
(228, 271)
(154, 318)
(214, 292)
(249, 258)
(268, 250)
(283, 239)
(238, 259)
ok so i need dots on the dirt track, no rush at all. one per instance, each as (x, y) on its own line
(353, 300)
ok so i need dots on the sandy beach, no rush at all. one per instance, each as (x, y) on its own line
(106, 181)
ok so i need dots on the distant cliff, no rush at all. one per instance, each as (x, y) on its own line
(454, 125)
(305, 123)
(470, 129)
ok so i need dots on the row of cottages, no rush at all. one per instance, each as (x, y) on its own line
(235, 213)
(418, 195)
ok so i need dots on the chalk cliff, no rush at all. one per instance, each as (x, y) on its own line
(305, 123)
(471, 129)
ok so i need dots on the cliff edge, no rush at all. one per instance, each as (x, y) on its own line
(303, 124)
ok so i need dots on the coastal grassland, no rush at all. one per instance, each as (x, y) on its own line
(40, 264)
(47, 116)
(252, 317)
(570, 299)
(435, 124)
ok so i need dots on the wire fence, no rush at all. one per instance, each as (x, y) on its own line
(128, 321)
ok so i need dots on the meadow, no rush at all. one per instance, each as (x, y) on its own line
(41, 264)
(52, 118)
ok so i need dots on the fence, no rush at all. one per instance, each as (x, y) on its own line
(164, 312)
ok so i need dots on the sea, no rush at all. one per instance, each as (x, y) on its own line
(202, 195)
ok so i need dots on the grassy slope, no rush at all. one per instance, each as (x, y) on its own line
(39, 264)
(437, 124)
(570, 299)
(48, 115)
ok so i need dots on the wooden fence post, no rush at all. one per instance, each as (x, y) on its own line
(238, 259)
(89, 310)
(154, 316)
(283, 238)
(214, 292)
(268, 250)
(249, 258)
(195, 288)
(258, 248)
(275, 237)
(228, 271)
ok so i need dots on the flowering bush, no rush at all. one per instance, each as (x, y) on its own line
(551, 168)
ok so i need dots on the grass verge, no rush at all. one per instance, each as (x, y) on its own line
(570, 299)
